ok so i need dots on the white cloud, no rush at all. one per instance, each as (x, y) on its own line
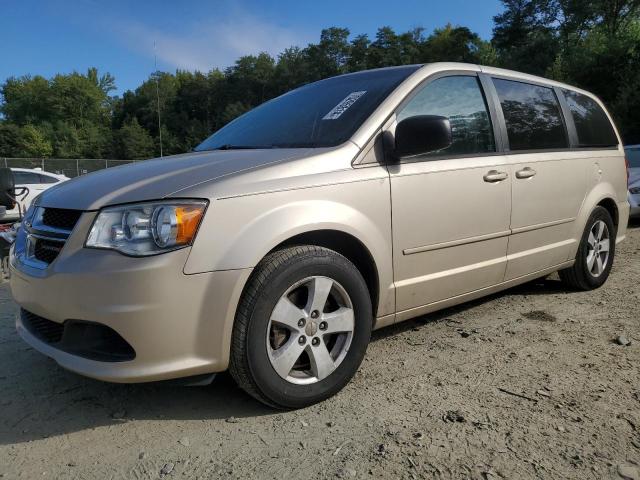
(216, 42)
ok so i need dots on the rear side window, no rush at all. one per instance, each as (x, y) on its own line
(592, 125)
(460, 99)
(26, 178)
(47, 179)
(532, 114)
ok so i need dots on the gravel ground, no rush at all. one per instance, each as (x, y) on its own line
(529, 383)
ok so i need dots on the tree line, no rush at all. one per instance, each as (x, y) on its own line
(593, 44)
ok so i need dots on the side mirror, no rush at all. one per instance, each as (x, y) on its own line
(422, 134)
(7, 188)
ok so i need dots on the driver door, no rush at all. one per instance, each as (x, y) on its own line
(451, 208)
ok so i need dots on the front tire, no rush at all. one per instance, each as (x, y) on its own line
(595, 253)
(302, 327)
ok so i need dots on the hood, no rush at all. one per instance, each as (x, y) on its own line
(158, 178)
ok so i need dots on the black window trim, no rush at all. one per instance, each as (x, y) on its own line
(568, 118)
(503, 123)
(493, 118)
(498, 123)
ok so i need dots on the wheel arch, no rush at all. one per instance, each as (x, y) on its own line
(348, 246)
(610, 206)
(602, 194)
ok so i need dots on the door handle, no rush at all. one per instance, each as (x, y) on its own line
(493, 176)
(525, 173)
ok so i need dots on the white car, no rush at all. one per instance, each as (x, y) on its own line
(632, 153)
(36, 180)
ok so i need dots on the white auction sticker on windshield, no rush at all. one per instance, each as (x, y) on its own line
(344, 105)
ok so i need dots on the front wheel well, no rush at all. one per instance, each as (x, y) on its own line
(348, 246)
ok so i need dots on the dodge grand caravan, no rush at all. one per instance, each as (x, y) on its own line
(278, 245)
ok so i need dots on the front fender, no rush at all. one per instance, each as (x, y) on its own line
(238, 232)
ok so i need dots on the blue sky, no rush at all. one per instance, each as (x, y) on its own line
(47, 37)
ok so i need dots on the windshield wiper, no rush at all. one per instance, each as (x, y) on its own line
(229, 146)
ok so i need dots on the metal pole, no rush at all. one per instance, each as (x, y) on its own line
(43, 164)
(77, 168)
(155, 64)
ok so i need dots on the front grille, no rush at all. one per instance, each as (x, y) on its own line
(46, 330)
(61, 218)
(47, 250)
(85, 339)
(47, 233)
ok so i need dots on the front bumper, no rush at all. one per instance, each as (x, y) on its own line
(178, 325)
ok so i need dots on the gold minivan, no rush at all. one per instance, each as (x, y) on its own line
(278, 245)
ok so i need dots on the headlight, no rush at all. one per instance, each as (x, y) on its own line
(147, 228)
(634, 190)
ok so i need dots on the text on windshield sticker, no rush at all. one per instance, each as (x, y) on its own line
(344, 105)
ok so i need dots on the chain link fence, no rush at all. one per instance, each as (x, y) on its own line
(63, 166)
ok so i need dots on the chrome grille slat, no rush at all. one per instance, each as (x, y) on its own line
(47, 233)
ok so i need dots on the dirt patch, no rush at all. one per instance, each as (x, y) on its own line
(539, 315)
(530, 383)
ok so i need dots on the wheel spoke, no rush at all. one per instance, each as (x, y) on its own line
(286, 356)
(321, 362)
(592, 239)
(599, 264)
(600, 231)
(591, 258)
(319, 289)
(604, 245)
(342, 320)
(286, 313)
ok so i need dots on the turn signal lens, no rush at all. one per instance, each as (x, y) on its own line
(188, 218)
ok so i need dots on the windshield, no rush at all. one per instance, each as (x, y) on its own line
(321, 114)
(633, 157)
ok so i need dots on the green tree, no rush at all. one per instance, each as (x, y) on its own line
(9, 139)
(358, 59)
(134, 142)
(452, 44)
(32, 143)
(66, 140)
(26, 100)
(524, 35)
(385, 50)
(291, 69)
(234, 110)
(328, 57)
(96, 141)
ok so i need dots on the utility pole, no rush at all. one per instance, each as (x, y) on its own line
(155, 64)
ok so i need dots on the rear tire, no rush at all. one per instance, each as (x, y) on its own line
(595, 255)
(302, 327)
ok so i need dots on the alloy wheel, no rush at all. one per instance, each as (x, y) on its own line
(598, 245)
(310, 330)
